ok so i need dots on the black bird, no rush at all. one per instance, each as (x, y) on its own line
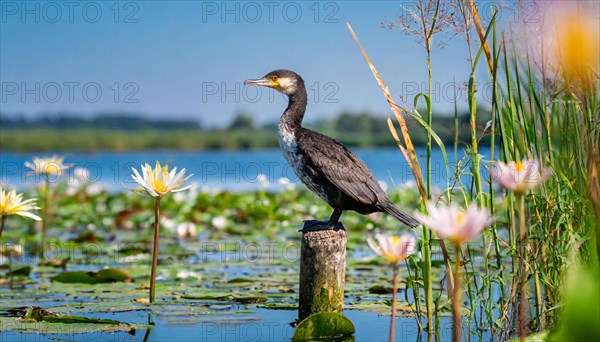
(323, 164)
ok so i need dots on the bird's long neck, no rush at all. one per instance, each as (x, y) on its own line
(294, 113)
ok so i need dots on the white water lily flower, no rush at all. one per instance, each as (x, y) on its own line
(185, 274)
(48, 166)
(394, 248)
(12, 250)
(81, 174)
(263, 181)
(219, 222)
(159, 181)
(520, 176)
(453, 223)
(94, 189)
(180, 197)
(262, 178)
(187, 230)
(286, 183)
(12, 203)
(168, 224)
(78, 182)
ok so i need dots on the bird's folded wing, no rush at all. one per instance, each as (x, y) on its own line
(341, 167)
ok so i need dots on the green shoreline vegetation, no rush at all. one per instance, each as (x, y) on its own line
(113, 132)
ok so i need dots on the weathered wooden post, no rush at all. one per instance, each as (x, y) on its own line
(322, 270)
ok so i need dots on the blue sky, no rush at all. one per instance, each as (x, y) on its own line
(189, 58)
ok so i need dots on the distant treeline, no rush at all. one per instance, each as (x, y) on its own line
(124, 122)
(121, 132)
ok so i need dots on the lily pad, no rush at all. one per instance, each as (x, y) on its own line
(380, 289)
(240, 280)
(250, 299)
(31, 326)
(22, 271)
(111, 275)
(107, 275)
(278, 306)
(40, 314)
(214, 296)
(76, 277)
(79, 319)
(323, 325)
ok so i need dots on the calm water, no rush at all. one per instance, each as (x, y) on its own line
(268, 325)
(235, 171)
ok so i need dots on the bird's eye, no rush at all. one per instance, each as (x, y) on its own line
(274, 78)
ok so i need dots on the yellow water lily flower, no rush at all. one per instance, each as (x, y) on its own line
(520, 176)
(455, 224)
(159, 181)
(12, 203)
(394, 248)
(577, 44)
(48, 166)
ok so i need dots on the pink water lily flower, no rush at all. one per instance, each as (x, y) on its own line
(520, 176)
(394, 248)
(455, 224)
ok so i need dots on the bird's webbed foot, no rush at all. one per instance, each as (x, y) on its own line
(316, 225)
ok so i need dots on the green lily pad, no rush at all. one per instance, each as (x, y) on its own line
(79, 319)
(250, 299)
(32, 326)
(240, 280)
(107, 275)
(111, 275)
(40, 314)
(380, 289)
(278, 306)
(76, 277)
(214, 296)
(323, 325)
(22, 271)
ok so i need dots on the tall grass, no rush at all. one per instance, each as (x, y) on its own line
(555, 120)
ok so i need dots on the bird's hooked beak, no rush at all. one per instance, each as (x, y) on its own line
(264, 82)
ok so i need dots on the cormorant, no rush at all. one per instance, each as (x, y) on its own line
(323, 164)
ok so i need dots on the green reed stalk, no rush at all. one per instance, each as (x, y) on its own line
(427, 281)
(470, 292)
(508, 143)
(2, 222)
(538, 298)
(539, 106)
(494, 230)
(494, 227)
(522, 268)
(10, 268)
(476, 159)
(426, 252)
(45, 215)
(415, 292)
(455, 127)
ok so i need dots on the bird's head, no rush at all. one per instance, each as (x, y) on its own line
(282, 80)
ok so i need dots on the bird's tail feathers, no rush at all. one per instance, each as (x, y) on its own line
(401, 215)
